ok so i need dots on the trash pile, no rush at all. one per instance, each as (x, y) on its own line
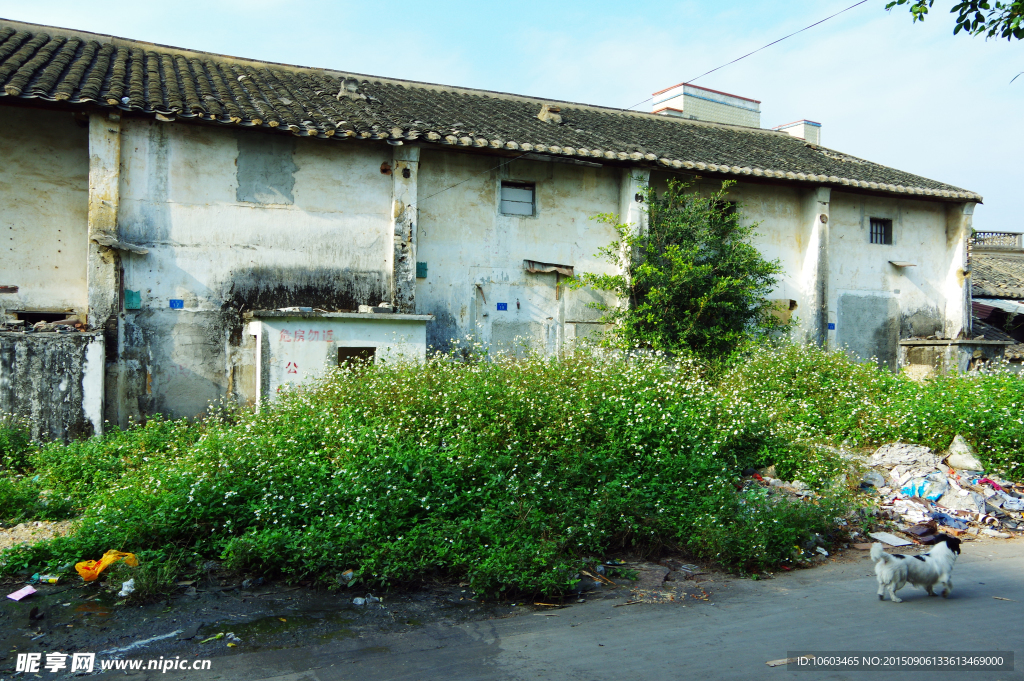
(928, 494)
(70, 324)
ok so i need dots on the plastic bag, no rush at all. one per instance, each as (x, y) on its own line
(931, 486)
(91, 569)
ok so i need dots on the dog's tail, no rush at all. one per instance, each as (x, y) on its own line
(878, 553)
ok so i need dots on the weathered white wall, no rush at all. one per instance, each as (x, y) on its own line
(293, 350)
(838, 277)
(55, 380)
(44, 182)
(475, 254)
(924, 300)
(234, 221)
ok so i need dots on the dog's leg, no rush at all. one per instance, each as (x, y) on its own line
(930, 591)
(892, 595)
(881, 591)
(947, 588)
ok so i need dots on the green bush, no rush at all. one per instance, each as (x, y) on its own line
(511, 475)
(508, 474)
(15, 443)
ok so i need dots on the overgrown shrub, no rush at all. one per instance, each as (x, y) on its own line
(508, 474)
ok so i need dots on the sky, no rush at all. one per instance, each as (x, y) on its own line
(910, 96)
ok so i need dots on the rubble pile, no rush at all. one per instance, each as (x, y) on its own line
(927, 494)
(71, 324)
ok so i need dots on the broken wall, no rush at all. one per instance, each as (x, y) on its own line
(55, 380)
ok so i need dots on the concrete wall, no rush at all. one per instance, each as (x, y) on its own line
(55, 380)
(296, 348)
(877, 303)
(236, 221)
(474, 254)
(846, 291)
(44, 183)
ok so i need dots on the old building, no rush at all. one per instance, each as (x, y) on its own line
(214, 225)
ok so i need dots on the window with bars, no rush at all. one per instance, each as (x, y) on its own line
(881, 231)
(517, 198)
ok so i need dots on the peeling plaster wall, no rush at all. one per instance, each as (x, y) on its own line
(44, 182)
(917, 301)
(871, 303)
(474, 254)
(235, 221)
(56, 380)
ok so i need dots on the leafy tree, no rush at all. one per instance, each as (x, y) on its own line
(690, 281)
(977, 17)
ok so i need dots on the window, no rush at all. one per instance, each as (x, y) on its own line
(881, 231)
(517, 198)
(353, 357)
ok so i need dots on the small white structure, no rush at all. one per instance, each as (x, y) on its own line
(296, 347)
(703, 104)
(809, 131)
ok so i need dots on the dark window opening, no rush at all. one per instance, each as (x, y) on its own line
(881, 231)
(351, 357)
(31, 318)
(517, 198)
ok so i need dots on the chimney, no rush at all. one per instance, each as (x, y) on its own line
(805, 130)
(702, 104)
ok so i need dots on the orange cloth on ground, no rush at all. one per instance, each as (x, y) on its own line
(91, 569)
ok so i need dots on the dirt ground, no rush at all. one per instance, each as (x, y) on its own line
(74, 616)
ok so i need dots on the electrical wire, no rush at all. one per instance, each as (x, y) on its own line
(685, 82)
(506, 162)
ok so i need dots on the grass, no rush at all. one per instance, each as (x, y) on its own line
(510, 475)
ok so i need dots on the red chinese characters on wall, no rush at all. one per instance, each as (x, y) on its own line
(311, 335)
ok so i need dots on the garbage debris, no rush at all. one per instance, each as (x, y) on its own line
(24, 592)
(961, 456)
(927, 497)
(903, 454)
(931, 486)
(347, 576)
(873, 479)
(127, 588)
(43, 579)
(890, 539)
(358, 601)
(91, 569)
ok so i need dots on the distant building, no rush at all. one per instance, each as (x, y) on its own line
(808, 131)
(702, 104)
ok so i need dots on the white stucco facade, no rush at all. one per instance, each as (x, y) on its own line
(215, 223)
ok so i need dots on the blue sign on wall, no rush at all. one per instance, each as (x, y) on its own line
(831, 326)
(502, 306)
(177, 304)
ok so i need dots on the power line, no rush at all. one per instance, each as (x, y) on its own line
(481, 172)
(506, 162)
(759, 49)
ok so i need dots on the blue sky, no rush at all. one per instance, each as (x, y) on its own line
(910, 96)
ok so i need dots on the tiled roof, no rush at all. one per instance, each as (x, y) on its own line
(1011, 352)
(77, 68)
(997, 275)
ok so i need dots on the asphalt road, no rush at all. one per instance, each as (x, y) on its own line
(745, 624)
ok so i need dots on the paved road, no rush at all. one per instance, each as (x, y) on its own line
(746, 624)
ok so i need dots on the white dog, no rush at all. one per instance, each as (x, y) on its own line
(931, 569)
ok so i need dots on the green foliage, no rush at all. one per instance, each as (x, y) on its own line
(810, 395)
(977, 17)
(15, 442)
(690, 281)
(511, 475)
